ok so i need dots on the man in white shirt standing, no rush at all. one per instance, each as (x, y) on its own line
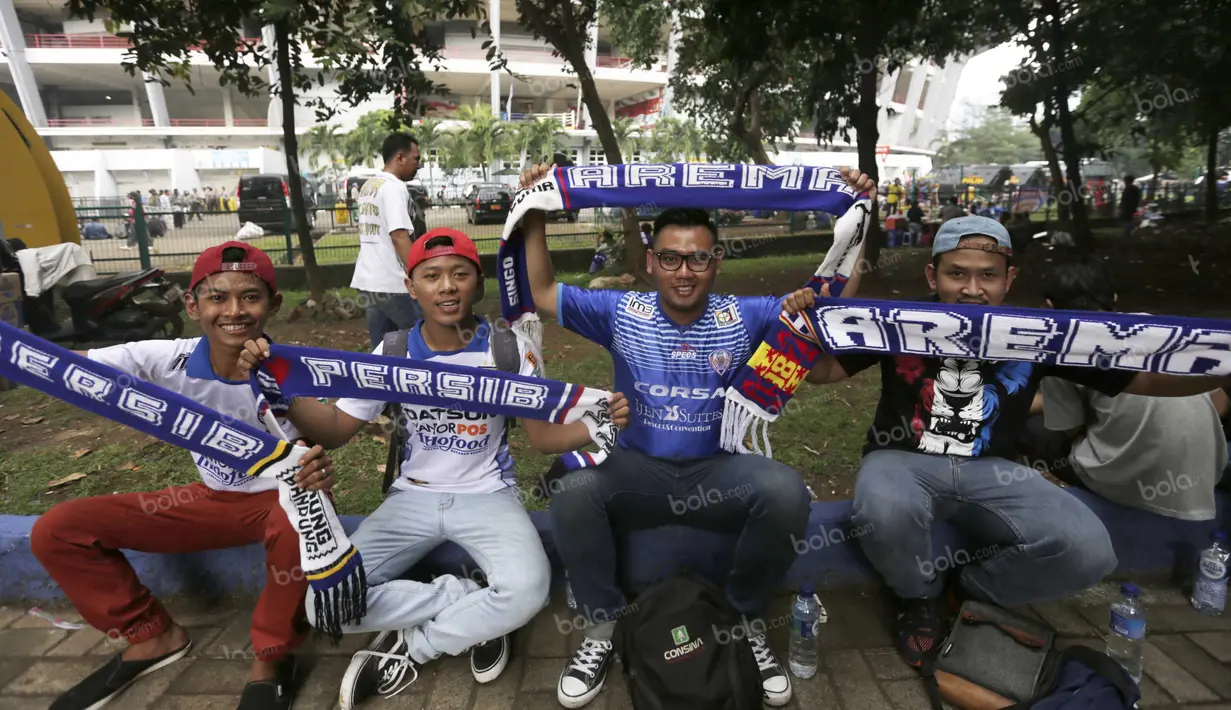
(386, 231)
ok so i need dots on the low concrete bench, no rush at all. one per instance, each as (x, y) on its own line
(829, 555)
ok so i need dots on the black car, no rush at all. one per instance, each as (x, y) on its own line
(265, 201)
(488, 202)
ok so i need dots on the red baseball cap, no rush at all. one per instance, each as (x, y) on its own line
(255, 262)
(460, 244)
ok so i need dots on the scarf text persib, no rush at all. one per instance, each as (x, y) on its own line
(700, 185)
(331, 564)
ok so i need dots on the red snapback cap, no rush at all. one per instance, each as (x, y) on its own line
(255, 262)
(461, 245)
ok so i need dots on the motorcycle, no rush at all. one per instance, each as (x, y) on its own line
(140, 305)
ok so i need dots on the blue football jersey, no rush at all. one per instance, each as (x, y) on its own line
(674, 376)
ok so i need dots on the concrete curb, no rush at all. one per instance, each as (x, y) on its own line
(1146, 544)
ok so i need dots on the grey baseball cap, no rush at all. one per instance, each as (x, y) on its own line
(954, 230)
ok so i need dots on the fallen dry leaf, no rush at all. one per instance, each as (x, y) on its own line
(129, 466)
(67, 479)
(380, 469)
(79, 453)
(32, 420)
(381, 439)
(11, 417)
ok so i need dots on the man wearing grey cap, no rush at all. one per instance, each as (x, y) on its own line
(943, 447)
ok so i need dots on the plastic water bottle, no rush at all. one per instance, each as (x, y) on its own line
(1126, 636)
(568, 593)
(806, 617)
(1210, 591)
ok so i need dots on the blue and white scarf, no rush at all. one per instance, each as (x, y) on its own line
(759, 391)
(331, 564)
(697, 185)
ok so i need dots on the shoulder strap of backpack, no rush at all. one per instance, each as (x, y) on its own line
(398, 342)
(505, 350)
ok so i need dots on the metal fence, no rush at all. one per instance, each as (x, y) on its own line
(122, 237)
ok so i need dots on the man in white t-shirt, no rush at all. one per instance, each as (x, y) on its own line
(457, 483)
(386, 231)
(231, 294)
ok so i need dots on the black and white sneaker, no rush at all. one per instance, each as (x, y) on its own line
(381, 669)
(775, 684)
(583, 677)
(488, 659)
(103, 685)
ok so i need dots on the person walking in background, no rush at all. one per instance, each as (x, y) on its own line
(951, 211)
(386, 231)
(1130, 202)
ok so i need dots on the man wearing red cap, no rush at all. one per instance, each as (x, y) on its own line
(232, 294)
(457, 483)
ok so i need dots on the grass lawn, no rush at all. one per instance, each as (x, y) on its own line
(45, 444)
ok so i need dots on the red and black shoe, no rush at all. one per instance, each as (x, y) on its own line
(919, 629)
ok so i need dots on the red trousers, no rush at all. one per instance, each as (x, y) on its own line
(78, 542)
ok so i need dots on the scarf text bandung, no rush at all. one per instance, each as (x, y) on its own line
(751, 397)
(330, 563)
(292, 371)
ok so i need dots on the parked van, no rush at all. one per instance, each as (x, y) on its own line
(265, 201)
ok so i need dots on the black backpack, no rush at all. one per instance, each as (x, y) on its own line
(508, 359)
(683, 647)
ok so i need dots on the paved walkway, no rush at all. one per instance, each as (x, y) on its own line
(1188, 661)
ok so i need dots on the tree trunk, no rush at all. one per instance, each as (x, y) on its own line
(1211, 178)
(634, 249)
(316, 285)
(1043, 131)
(1068, 137)
(866, 136)
(748, 103)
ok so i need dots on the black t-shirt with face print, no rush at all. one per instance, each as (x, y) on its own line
(962, 407)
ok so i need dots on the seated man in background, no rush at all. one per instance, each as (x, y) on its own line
(1164, 455)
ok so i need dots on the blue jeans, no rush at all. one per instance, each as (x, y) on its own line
(1025, 539)
(387, 312)
(762, 500)
(451, 614)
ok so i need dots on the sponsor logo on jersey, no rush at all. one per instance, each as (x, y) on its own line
(720, 360)
(684, 352)
(678, 392)
(639, 309)
(728, 316)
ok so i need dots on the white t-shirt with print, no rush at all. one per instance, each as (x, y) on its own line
(183, 367)
(451, 451)
(384, 207)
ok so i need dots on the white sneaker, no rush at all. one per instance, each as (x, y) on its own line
(775, 683)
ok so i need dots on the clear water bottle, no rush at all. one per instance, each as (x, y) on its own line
(807, 615)
(1210, 590)
(568, 593)
(1126, 635)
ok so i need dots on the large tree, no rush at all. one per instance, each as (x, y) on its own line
(989, 136)
(365, 47)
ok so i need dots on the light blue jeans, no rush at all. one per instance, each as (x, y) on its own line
(1025, 540)
(451, 614)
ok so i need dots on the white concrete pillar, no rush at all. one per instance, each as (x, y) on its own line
(158, 101)
(592, 49)
(184, 175)
(493, 12)
(104, 181)
(228, 111)
(14, 43)
(137, 117)
(913, 92)
(274, 115)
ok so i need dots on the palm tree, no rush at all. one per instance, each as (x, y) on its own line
(665, 140)
(540, 138)
(486, 137)
(626, 132)
(364, 142)
(324, 145)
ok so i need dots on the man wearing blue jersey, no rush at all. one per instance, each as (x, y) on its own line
(673, 352)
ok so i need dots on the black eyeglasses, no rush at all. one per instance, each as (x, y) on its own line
(698, 261)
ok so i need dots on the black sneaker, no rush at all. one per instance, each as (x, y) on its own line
(775, 684)
(583, 677)
(919, 629)
(488, 659)
(379, 669)
(103, 685)
(277, 694)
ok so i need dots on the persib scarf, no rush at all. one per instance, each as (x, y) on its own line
(751, 403)
(331, 564)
